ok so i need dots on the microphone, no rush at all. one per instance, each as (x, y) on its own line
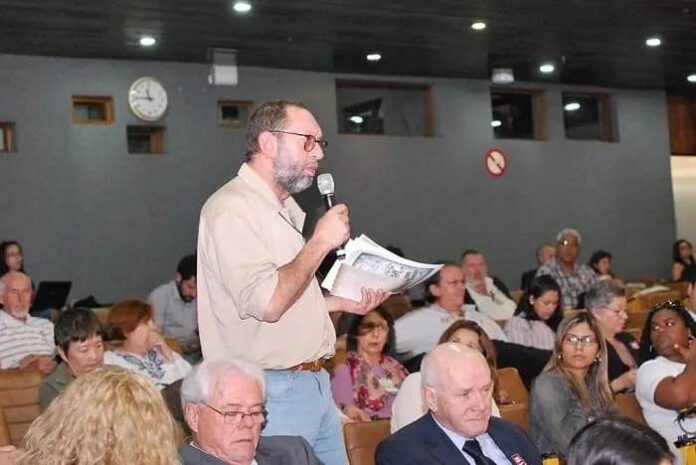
(325, 184)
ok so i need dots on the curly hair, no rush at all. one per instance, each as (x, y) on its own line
(111, 416)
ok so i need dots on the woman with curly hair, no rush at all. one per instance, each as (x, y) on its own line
(107, 417)
(364, 386)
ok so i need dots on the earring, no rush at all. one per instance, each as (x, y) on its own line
(559, 356)
(598, 359)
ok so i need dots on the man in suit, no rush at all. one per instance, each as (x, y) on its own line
(223, 403)
(458, 429)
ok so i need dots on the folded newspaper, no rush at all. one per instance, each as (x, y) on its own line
(367, 264)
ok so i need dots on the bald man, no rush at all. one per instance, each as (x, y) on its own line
(458, 428)
(26, 342)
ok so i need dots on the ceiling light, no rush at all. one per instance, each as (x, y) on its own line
(147, 41)
(356, 119)
(242, 6)
(496, 123)
(691, 78)
(653, 41)
(502, 76)
(478, 26)
(373, 57)
(571, 106)
(547, 68)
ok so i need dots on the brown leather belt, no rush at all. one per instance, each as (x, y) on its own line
(314, 366)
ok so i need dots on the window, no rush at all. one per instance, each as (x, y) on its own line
(517, 114)
(234, 114)
(145, 139)
(588, 117)
(92, 110)
(7, 139)
(386, 108)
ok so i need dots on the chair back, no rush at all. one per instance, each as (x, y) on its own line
(362, 437)
(628, 406)
(5, 438)
(509, 380)
(516, 413)
(19, 400)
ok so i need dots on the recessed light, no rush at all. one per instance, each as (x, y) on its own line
(571, 106)
(547, 68)
(653, 41)
(373, 57)
(496, 123)
(241, 6)
(147, 41)
(691, 78)
(356, 119)
(478, 26)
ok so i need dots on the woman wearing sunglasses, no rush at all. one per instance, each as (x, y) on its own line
(573, 388)
(666, 383)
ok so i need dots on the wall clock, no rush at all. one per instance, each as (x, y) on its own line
(148, 99)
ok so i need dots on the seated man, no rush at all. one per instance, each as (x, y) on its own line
(544, 254)
(78, 336)
(573, 278)
(490, 295)
(223, 402)
(458, 389)
(26, 342)
(175, 309)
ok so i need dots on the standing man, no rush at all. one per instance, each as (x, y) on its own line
(257, 294)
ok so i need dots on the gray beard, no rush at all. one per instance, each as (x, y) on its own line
(291, 181)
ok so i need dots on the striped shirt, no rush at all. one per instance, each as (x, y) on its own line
(19, 339)
(530, 333)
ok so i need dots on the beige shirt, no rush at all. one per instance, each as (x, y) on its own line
(245, 234)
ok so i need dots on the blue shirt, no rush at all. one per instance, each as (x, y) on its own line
(488, 446)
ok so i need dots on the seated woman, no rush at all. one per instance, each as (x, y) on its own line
(683, 265)
(105, 417)
(606, 300)
(78, 336)
(364, 386)
(666, 383)
(618, 441)
(600, 262)
(11, 259)
(409, 404)
(573, 388)
(144, 349)
(537, 315)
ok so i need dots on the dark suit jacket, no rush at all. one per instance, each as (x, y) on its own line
(272, 450)
(527, 277)
(423, 443)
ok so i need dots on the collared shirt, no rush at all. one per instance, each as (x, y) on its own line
(54, 384)
(177, 318)
(572, 285)
(419, 330)
(19, 339)
(530, 333)
(488, 446)
(245, 235)
(494, 303)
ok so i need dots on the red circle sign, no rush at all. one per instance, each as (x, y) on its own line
(495, 162)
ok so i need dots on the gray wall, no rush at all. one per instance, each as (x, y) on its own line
(116, 223)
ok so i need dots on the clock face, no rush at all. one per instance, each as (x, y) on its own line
(148, 99)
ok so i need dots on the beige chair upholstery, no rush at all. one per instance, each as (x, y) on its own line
(362, 438)
(19, 400)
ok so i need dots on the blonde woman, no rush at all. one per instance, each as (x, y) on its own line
(107, 417)
(573, 388)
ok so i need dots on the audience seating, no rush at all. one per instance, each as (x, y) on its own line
(517, 295)
(516, 413)
(648, 301)
(636, 320)
(628, 406)
(5, 438)
(510, 381)
(397, 305)
(19, 400)
(361, 440)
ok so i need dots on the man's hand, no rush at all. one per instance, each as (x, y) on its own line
(332, 229)
(371, 298)
(42, 363)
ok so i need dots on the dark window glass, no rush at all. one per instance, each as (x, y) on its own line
(583, 117)
(513, 115)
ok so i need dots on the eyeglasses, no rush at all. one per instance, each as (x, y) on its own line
(235, 418)
(584, 341)
(310, 140)
(617, 312)
(567, 243)
(370, 327)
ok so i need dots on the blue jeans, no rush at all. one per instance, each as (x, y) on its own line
(299, 403)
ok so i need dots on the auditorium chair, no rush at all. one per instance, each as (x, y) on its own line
(647, 301)
(362, 437)
(509, 380)
(19, 400)
(627, 405)
(515, 413)
(5, 438)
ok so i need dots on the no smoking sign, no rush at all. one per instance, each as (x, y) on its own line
(495, 162)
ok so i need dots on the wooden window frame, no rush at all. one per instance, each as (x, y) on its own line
(538, 110)
(156, 139)
(607, 124)
(8, 133)
(428, 110)
(105, 101)
(250, 106)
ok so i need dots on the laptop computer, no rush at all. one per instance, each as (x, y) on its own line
(52, 294)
